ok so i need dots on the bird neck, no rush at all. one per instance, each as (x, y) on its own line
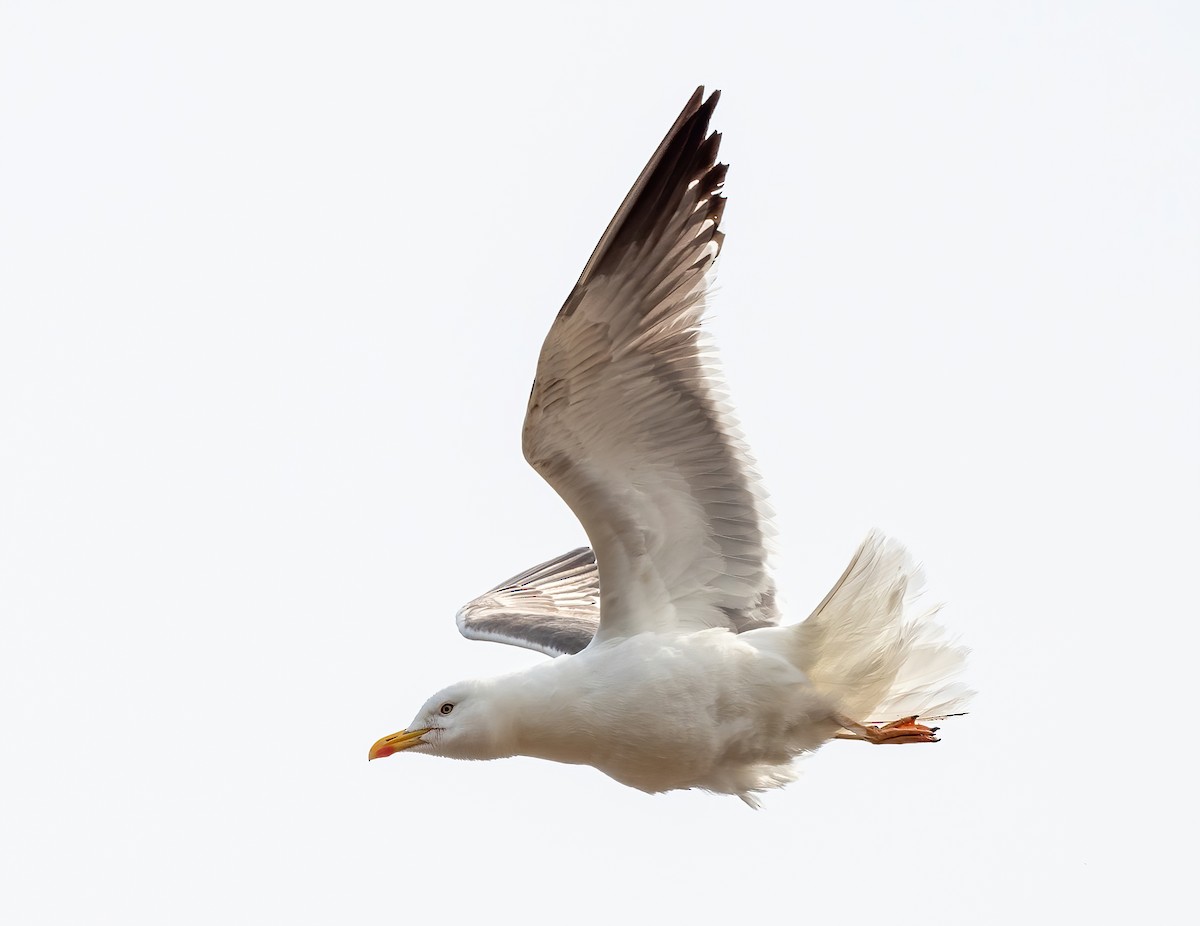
(542, 712)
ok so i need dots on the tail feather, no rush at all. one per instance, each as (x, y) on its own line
(875, 647)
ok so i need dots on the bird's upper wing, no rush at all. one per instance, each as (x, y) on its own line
(627, 419)
(553, 608)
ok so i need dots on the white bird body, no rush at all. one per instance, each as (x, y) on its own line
(716, 712)
(671, 670)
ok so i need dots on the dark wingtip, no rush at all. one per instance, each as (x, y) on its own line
(687, 153)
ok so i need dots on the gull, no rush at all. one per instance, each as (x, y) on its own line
(671, 668)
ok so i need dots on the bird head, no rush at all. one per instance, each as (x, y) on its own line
(456, 722)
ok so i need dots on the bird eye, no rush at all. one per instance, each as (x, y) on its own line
(446, 708)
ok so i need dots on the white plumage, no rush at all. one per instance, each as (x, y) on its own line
(672, 671)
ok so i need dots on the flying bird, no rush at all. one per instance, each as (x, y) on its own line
(671, 670)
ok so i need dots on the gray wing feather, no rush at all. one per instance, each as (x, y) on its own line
(553, 608)
(628, 419)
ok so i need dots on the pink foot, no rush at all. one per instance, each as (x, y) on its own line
(905, 730)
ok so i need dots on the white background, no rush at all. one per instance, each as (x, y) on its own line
(273, 280)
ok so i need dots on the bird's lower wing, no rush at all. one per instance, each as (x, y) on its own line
(553, 608)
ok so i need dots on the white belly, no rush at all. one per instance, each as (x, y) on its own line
(661, 712)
